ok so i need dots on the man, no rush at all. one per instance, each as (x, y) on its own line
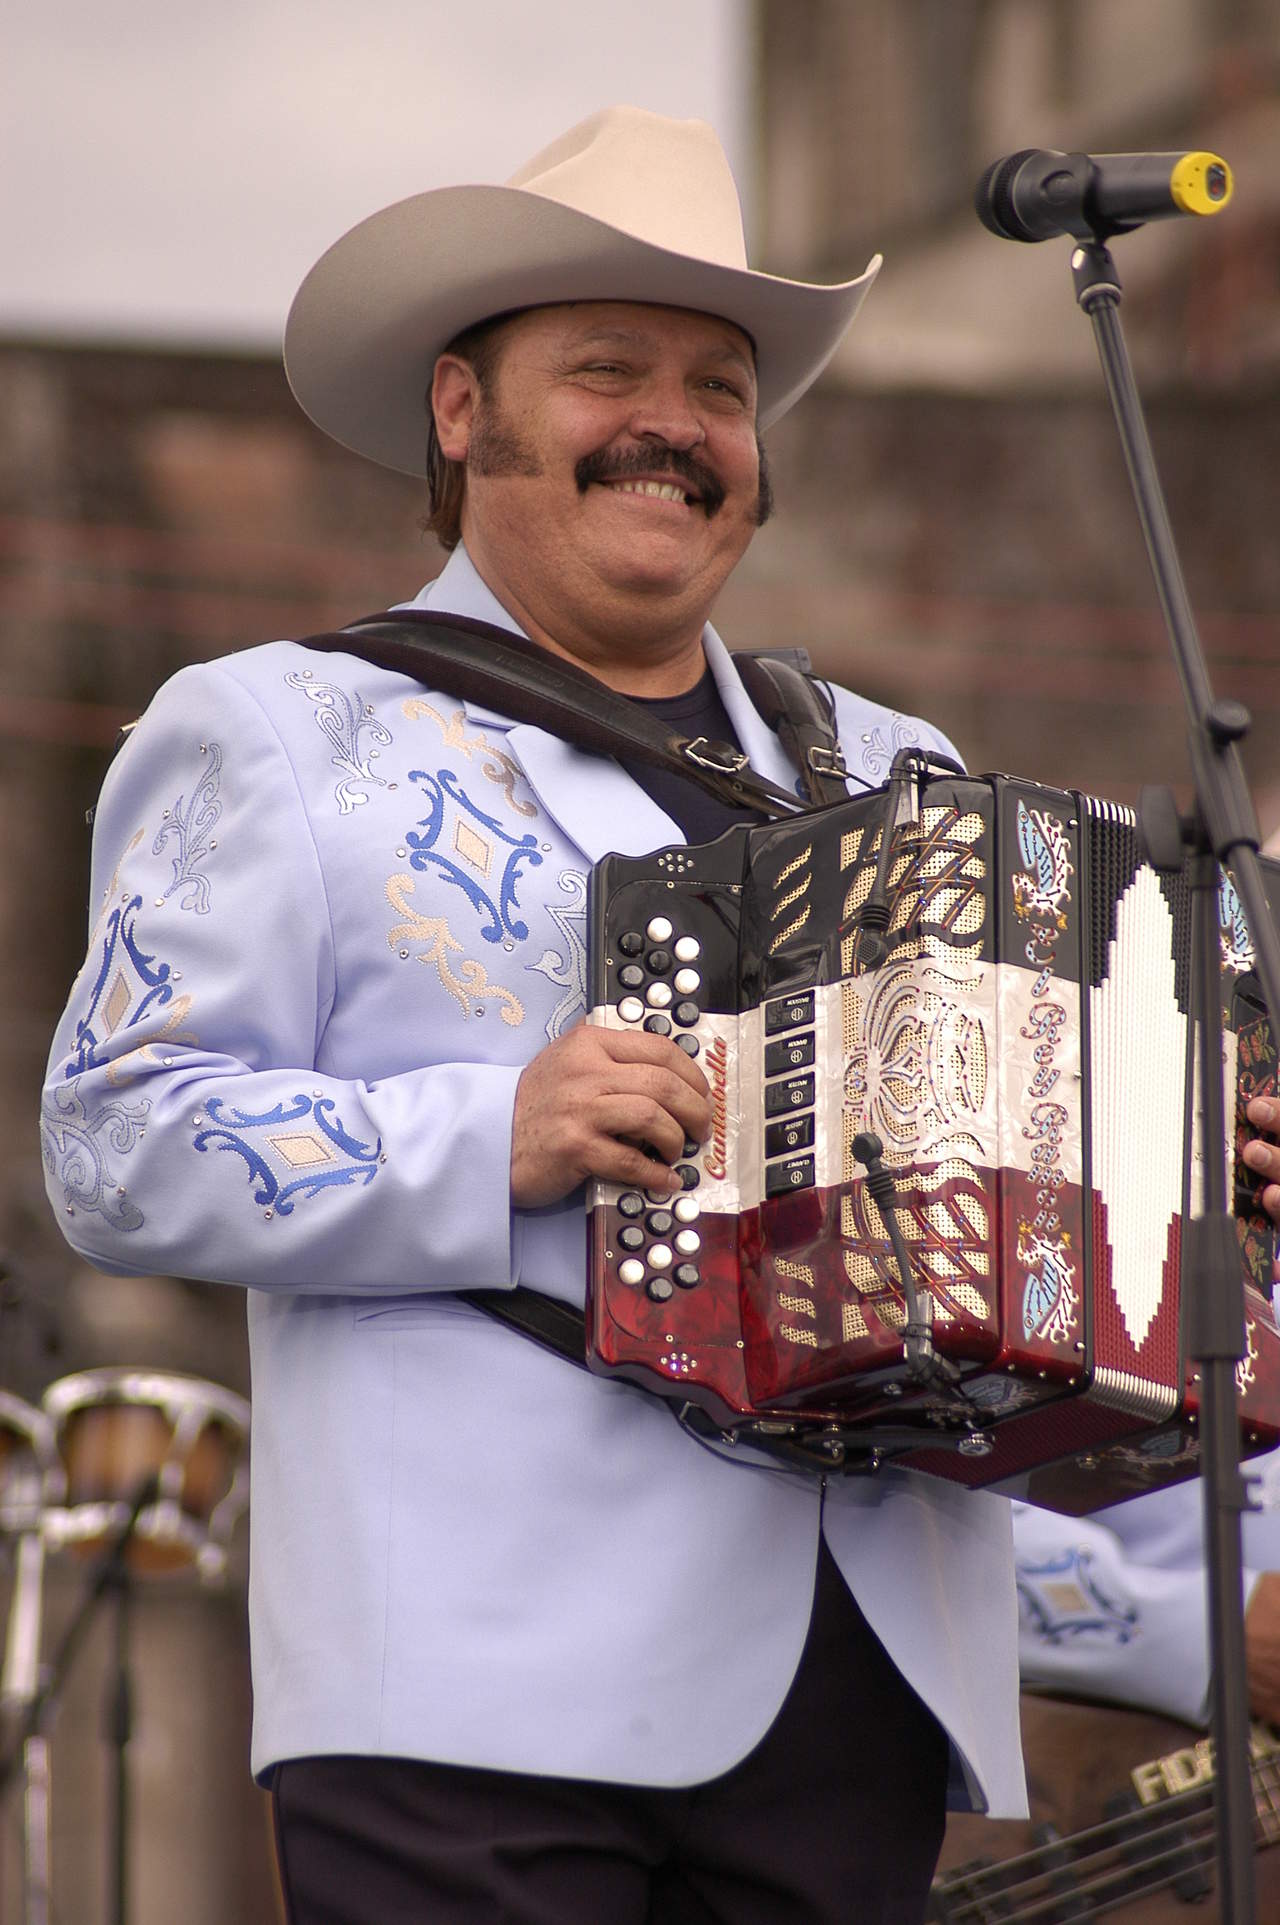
(522, 1649)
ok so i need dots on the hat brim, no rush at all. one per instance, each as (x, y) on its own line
(377, 308)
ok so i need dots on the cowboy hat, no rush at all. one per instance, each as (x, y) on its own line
(627, 206)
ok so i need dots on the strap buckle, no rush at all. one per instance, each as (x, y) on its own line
(828, 761)
(716, 756)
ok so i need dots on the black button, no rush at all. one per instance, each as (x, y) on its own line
(659, 1288)
(659, 1222)
(779, 1178)
(631, 976)
(659, 961)
(793, 1133)
(631, 1236)
(689, 1044)
(631, 942)
(788, 1013)
(686, 1275)
(687, 1175)
(658, 1025)
(691, 1149)
(792, 1052)
(781, 1098)
(686, 1014)
(632, 1204)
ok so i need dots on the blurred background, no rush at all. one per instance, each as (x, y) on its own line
(955, 533)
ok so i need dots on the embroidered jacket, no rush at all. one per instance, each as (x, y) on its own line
(334, 914)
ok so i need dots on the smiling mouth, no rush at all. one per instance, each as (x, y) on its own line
(656, 490)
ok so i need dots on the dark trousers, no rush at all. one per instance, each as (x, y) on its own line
(835, 1818)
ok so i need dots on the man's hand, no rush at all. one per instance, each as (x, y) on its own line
(585, 1104)
(1262, 1647)
(1264, 1158)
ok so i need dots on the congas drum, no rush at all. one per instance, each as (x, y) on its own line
(116, 1428)
(30, 1471)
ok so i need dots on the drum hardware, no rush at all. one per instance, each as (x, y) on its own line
(144, 1473)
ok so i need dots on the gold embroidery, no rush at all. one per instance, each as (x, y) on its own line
(470, 985)
(126, 1067)
(500, 767)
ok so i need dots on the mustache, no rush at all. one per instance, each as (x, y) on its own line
(618, 464)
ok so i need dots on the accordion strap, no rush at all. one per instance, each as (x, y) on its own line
(481, 663)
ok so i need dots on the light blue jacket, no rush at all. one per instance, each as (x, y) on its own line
(334, 916)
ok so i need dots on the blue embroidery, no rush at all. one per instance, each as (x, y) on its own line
(231, 1122)
(1047, 1607)
(193, 827)
(119, 1004)
(877, 754)
(502, 921)
(75, 1153)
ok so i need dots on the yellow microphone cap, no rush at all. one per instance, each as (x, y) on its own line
(1201, 183)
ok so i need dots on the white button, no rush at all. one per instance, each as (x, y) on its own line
(688, 949)
(659, 994)
(688, 1242)
(659, 929)
(687, 1209)
(659, 1255)
(686, 981)
(632, 1271)
(631, 1009)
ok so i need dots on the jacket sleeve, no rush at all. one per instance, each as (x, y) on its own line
(1115, 1606)
(192, 1122)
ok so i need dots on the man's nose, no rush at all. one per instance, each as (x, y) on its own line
(664, 412)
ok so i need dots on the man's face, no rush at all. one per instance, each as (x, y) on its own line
(612, 463)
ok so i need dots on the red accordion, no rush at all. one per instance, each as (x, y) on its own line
(1018, 1038)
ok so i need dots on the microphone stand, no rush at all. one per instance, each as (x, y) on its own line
(1223, 828)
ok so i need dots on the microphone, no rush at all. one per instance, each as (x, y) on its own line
(1037, 193)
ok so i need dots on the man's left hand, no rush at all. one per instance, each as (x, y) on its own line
(1264, 1158)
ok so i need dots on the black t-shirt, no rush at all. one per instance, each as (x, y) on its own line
(699, 711)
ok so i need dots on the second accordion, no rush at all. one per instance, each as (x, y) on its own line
(985, 975)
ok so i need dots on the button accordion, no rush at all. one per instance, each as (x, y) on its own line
(1017, 1035)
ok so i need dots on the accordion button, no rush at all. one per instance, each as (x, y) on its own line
(687, 1209)
(788, 1013)
(631, 942)
(631, 1204)
(631, 976)
(658, 995)
(658, 1025)
(688, 1242)
(688, 949)
(779, 1178)
(689, 1044)
(658, 929)
(791, 1052)
(631, 1236)
(660, 1289)
(687, 981)
(659, 1222)
(686, 1014)
(659, 961)
(687, 1175)
(779, 1098)
(659, 1256)
(631, 1009)
(686, 1275)
(631, 1270)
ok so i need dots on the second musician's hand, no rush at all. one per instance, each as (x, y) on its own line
(586, 1104)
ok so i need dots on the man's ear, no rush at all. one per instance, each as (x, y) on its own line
(454, 393)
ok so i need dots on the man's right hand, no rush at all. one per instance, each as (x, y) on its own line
(586, 1104)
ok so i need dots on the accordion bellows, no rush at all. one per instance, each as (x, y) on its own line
(1019, 1039)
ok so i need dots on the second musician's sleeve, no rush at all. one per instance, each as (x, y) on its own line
(194, 1122)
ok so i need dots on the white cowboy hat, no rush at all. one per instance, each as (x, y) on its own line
(627, 206)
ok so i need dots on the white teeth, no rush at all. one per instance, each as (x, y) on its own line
(661, 490)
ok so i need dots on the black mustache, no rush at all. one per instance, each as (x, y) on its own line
(617, 465)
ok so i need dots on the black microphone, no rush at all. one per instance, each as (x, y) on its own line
(1037, 193)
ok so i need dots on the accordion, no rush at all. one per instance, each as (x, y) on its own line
(1017, 1034)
